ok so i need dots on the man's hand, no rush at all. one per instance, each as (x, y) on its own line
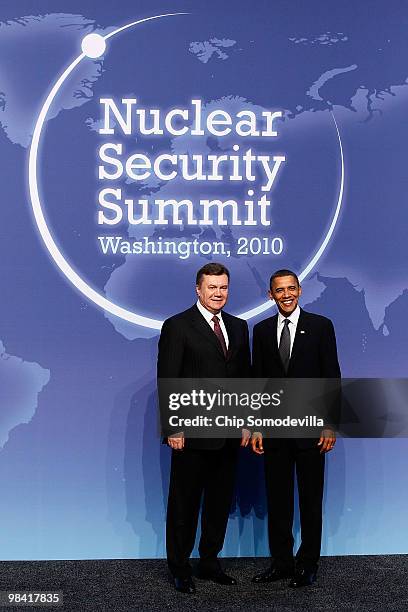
(245, 437)
(256, 443)
(176, 442)
(327, 440)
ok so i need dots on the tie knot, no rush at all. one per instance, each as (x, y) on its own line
(215, 319)
(286, 322)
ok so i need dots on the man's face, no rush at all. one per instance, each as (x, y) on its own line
(286, 292)
(213, 292)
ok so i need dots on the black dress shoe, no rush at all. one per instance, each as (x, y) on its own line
(272, 575)
(302, 578)
(218, 576)
(185, 585)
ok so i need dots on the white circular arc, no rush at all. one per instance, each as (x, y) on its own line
(49, 241)
(55, 252)
(270, 303)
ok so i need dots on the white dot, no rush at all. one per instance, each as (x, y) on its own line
(250, 192)
(236, 147)
(93, 45)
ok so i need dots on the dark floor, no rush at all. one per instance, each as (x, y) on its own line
(364, 584)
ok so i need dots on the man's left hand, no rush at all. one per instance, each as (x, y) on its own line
(245, 437)
(327, 440)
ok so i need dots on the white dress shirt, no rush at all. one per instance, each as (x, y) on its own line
(208, 316)
(293, 318)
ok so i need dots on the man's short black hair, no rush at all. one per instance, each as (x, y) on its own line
(280, 273)
(213, 269)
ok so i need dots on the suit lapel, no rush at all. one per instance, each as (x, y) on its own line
(300, 336)
(273, 335)
(232, 338)
(201, 325)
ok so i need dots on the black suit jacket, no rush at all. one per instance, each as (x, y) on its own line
(314, 354)
(188, 348)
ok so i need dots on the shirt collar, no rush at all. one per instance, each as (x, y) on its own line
(293, 318)
(208, 316)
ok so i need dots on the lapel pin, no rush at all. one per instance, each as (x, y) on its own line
(302, 331)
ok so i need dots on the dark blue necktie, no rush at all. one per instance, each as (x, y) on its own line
(284, 345)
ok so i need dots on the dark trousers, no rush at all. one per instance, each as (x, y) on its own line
(196, 474)
(280, 465)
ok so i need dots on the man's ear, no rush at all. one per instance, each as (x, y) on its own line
(300, 290)
(270, 295)
(197, 289)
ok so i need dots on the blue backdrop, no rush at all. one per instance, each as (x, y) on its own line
(82, 472)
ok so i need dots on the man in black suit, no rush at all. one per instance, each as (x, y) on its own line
(202, 342)
(294, 344)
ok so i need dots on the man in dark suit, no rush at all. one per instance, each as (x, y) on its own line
(294, 344)
(206, 342)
